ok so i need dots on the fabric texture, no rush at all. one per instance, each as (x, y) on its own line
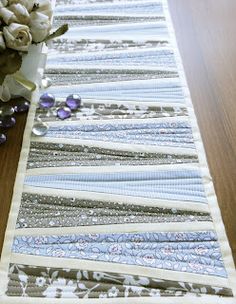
(64, 283)
(116, 203)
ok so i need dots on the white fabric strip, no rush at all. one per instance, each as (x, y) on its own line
(120, 27)
(105, 169)
(142, 300)
(96, 36)
(125, 102)
(127, 67)
(131, 67)
(119, 228)
(97, 5)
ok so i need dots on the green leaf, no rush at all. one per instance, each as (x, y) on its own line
(10, 62)
(20, 78)
(60, 31)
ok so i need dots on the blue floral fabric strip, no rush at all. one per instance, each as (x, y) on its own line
(173, 134)
(194, 252)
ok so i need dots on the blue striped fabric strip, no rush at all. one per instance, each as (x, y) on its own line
(185, 185)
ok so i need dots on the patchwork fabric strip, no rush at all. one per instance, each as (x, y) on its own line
(175, 251)
(56, 211)
(115, 204)
(63, 155)
(63, 283)
(103, 111)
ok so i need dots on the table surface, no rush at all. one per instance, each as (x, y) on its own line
(205, 31)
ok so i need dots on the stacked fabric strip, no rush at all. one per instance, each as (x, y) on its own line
(115, 201)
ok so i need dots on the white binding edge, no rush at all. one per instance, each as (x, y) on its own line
(189, 299)
(210, 194)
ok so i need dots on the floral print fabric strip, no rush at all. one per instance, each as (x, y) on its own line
(103, 111)
(193, 252)
(63, 44)
(33, 281)
(172, 134)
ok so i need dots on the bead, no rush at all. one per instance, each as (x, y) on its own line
(7, 121)
(40, 129)
(64, 113)
(46, 82)
(22, 106)
(73, 101)
(46, 101)
(3, 138)
(6, 110)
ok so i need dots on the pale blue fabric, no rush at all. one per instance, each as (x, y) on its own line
(193, 252)
(177, 134)
(185, 185)
(148, 58)
(149, 30)
(146, 90)
(141, 8)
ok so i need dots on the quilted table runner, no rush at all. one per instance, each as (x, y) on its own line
(116, 203)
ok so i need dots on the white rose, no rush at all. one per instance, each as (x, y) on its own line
(17, 37)
(6, 15)
(28, 4)
(2, 42)
(44, 7)
(40, 26)
(3, 3)
(14, 13)
(20, 12)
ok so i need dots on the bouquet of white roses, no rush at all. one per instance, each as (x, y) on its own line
(22, 23)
